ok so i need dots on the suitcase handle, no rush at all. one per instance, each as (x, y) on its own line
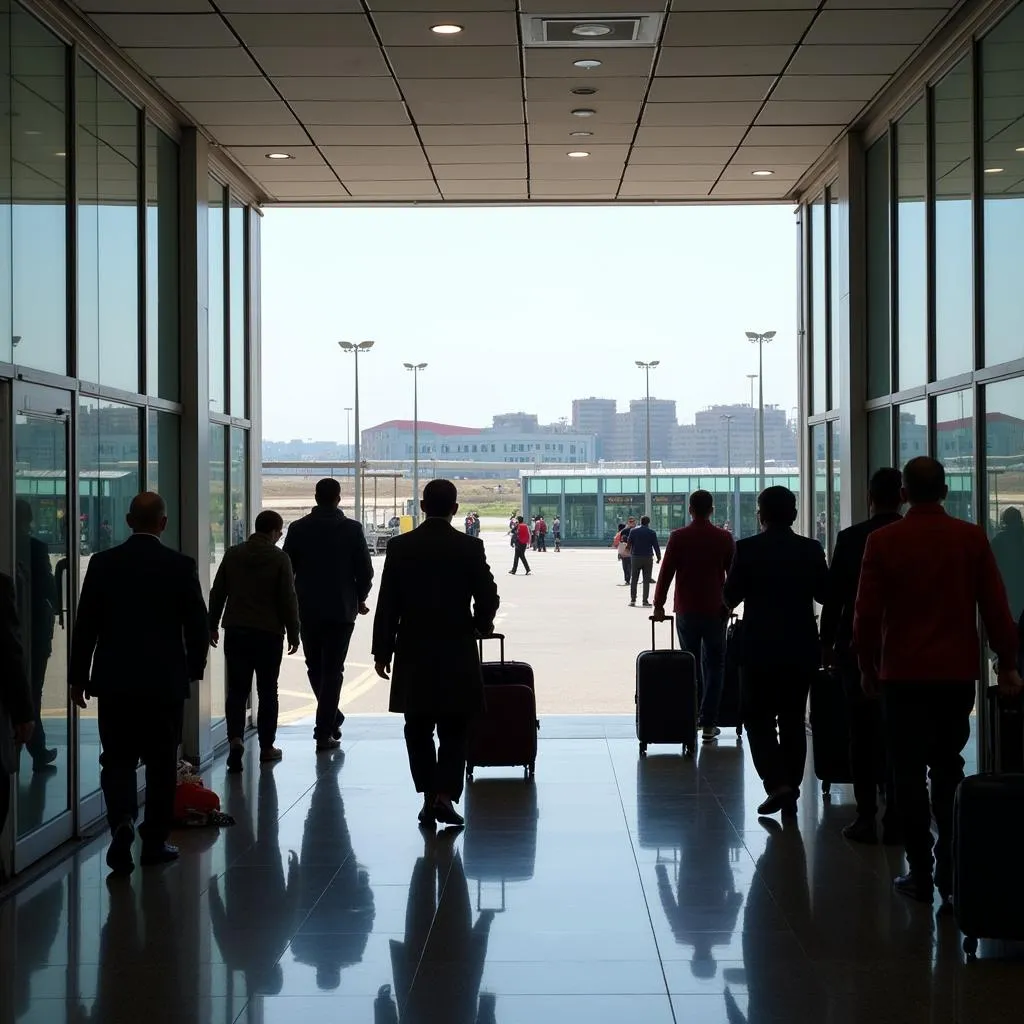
(670, 619)
(997, 702)
(500, 637)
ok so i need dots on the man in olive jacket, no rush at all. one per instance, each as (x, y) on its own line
(437, 594)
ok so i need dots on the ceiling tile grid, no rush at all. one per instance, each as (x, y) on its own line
(494, 100)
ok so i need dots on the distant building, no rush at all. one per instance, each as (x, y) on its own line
(517, 422)
(596, 416)
(305, 451)
(711, 440)
(663, 426)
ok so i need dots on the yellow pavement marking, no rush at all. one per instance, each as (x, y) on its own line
(351, 691)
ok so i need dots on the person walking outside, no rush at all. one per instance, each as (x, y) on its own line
(623, 550)
(643, 550)
(254, 592)
(777, 576)
(542, 533)
(867, 739)
(697, 557)
(556, 532)
(437, 595)
(923, 582)
(521, 541)
(333, 576)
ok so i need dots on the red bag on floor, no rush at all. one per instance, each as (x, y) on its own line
(193, 800)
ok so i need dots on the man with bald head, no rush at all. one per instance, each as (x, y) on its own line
(140, 640)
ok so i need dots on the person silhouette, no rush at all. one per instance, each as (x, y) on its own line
(1008, 547)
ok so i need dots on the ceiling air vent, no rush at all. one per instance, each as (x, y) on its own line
(579, 30)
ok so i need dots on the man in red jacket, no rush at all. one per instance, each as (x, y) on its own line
(922, 583)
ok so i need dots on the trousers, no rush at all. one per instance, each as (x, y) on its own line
(704, 637)
(640, 567)
(325, 646)
(774, 702)
(248, 653)
(520, 556)
(868, 759)
(440, 770)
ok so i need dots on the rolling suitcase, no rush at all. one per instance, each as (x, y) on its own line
(666, 695)
(987, 814)
(830, 731)
(505, 735)
(729, 711)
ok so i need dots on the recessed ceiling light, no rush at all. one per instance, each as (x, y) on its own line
(591, 30)
(762, 174)
(61, 153)
(578, 154)
(1020, 149)
(586, 64)
(584, 90)
(580, 135)
(446, 30)
(583, 112)
(33, 131)
(993, 170)
(279, 156)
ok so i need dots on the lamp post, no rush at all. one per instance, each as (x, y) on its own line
(348, 431)
(760, 340)
(415, 368)
(753, 421)
(647, 367)
(355, 347)
(728, 444)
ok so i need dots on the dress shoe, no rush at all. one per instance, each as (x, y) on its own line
(158, 853)
(915, 887)
(269, 755)
(445, 813)
(426, 815)
(235, 754)
(43, 761)
(782, 797)
(119, 855)
(338, 720)
(861, 830)
(323, 746)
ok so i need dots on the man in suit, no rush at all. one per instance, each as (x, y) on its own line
(17, 712)
(437, 595)
(333, 576)
(915, 631)
(867, 741)
(777, 576)
(140, 640)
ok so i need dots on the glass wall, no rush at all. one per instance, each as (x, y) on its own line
(163, 469)
(162, 321)
(216, 303)
(821, 467)
(879, 354)
(879, 440)
(219, 541)
(954, 446)
(819, 316)
(237, 311)
(911, 236)
(1003, 483)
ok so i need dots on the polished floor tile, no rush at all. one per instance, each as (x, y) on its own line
(612, 888)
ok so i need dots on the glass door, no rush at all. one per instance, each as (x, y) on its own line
(44, 532)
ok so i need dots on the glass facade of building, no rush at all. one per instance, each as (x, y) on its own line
(97, 399)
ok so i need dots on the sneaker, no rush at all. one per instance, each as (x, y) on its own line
(710, 733)
(235, 755)
(268, 755)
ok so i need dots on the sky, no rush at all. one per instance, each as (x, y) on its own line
(521, 309)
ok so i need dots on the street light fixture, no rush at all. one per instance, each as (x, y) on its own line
(415, 368)
(355, 347)
(760, 340)
(647, 367)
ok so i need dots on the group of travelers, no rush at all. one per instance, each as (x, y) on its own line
(637, 549)
(899, 610)
(472, 524)
(532, 536)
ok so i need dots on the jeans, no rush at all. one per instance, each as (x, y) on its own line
(640, 566)
(520, 556)
(442, 770)
(249, 652)
(704, 637)
(927, 726)
(627, 569)
(775, 697)
(325, 645)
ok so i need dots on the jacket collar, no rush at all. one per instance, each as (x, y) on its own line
(322, 512)
(886, 517)
(928, 508)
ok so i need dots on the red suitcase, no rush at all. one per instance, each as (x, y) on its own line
(505, 735)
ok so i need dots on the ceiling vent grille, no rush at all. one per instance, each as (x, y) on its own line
(587, 33)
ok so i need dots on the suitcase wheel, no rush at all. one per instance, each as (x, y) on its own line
(643, 749)
(970, 947)
(826, 789)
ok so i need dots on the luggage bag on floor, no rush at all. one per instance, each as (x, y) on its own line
(505, 735)
(666, 695)
(729, 711)
(988, 899)
(830, 731)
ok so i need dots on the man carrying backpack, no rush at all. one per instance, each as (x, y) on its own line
(522, 542)
(542, 534)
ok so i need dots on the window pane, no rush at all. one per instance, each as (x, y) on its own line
(834, 513)
(912, 297)
(236, 252)
(954, 233)
(164, 469)
(879, 440)
(1002, 105)
(878, 321)
(219, 536)
(954, 447)
(162, 295)
(836, 308)
(6, 165)
(820, 484)
(1004, 483)
(215, 299)
(39, 196)
(819, 366)
(912, 439)
(108, 234)
(580, 523)
(239, 485)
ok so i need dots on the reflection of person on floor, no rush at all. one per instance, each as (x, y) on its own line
(348, 897)
(439, 929)
(38, 922)
(38, 603)
(266, 893)
(17, 714)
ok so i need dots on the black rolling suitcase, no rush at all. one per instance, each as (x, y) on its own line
(730, 715)
(987, 817)
(666, 695)
(830, 731)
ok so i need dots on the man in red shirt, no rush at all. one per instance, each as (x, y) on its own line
(923, 581)
(699, 556)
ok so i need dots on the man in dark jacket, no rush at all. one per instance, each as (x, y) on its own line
(777, 576)
(643, 550)
(867, 740)
(140, 640)
(17, 715)
(333, 576)
(437, 595)
(255, 592)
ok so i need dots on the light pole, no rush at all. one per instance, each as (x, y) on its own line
(647, 367)
(415, 368)
(760, 340)
(348, 431)
(728, 444)
(355, 347)
(753, 421)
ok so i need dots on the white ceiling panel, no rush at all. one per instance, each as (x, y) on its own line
(810, 112)
(309, 30)
(456, 189)
(363, 134)
(632, 88)
(662, 191)
(271, 137)
(668, 172)
(462, 90)
(727, 28)
(441, 6)
(388, 172)
(312, 113)
(394, 190)
(791, 135)
(828, 87)
(283, 6)
(485, 172)
(467, 113)
(464, 62)
(680, 156)
(768, 156)
(218, 89)
(307, 156)
(783, 172)
(353, 89)
(699, 114)
(543, 189)
(871, 27)
(590, 6)
(600, 135)
(296, 172)
(867, 5)
(716, 135)
(439, 155)
(165, 30)
(178, 62)
(576, 170)
(132, 6)
(599, 154)
(723, 60)
(709, 88)
(370, 156)
(759, 190)
(473, 135)
(743, 5)
(412, 28)
(320, 61)
(612, 112)
(274, 112)
(554, 62)
(849, 60)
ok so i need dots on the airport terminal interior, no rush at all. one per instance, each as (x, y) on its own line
(142, 140)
